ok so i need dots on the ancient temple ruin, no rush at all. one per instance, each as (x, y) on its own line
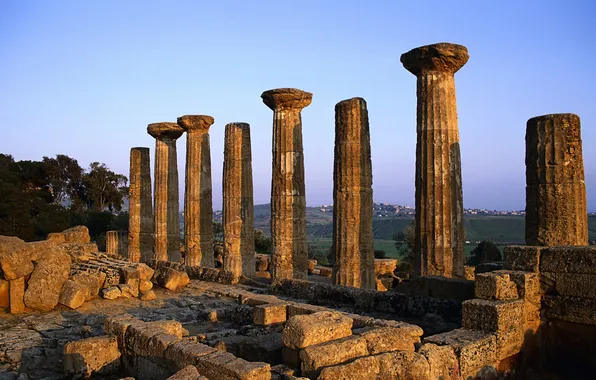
(142, 310)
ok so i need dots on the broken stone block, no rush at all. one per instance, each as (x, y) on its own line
(92, 356)
(77, 234)
(15, 264)
(111, 293)
(365, 368)
(183, 280)
(492, 316)
(149, 296)
(305, 330)
(225, 366)
(568, 260)
(128, 291)
(403, 365)
(474, 349)
(167, 278)
(16, 294)
(56, 237)
(325, 272)
(269, 314)
(183, 353)
(145, 286)
(73, 294)
(387, 339)
(91, 281)
(45, 284)
(495, 286)
(522, 258)
(187, 373)
(294, 309)
(130, 276)
(385, 267)
(139, 335)
(117, 325)
(469, 272)
(443, 363)
(145, 271)
(4, 293)
(314, 358)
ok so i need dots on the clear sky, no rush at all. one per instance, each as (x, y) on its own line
(84, 78)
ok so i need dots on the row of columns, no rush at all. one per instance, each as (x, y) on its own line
(556, 208)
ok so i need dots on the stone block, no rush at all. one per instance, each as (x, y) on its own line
(77, 234)
(469, 272)
(145, 286)
(225, 366)
(16, 293)
(149, 296)
(4, 293)
(522, 258)
(443, 363)
(111, 293)
(492, 316)
(325, 272)
(15, 263)
(141, 338)
(189, 372)
(570, 309)
(528, 284)
(117, 325)
(145, 271)
(128, 291)
(568, 260)
(73, 294)
(46, 281)
(314, 358)
(576, 284)
(306, 330)
(446, 288)
(509, 342)
(91, 357)
(269, 314)
(386, 339)
(474, 349)
(184, 353)
(365, 368)
(91, 280)
(56, 237)
(403, 365)
(495, 286)
(168, 278)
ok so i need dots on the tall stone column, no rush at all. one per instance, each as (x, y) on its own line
(198, 205)
(238, 207)
(140, 209)
(167, 219)
(117, 243)
(353, 248)
(556, 211)
(439, 197)
(288, 200)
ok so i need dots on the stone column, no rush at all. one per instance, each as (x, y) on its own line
(556, 211)
(140, 209)
(288, 201)
(167, 219)
(238, 208)
(112, 242)
(439, 197)
(353, 248)
(198, 206)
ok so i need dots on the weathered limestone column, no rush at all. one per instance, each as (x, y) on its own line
(117, 243)
(238, 207)
(140, 209)
(167, 219)
(353, 247)
(288, 200)
(556, 211)
(198, 206)
(439, 196)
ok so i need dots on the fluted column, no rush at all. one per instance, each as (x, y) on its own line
(112, 242)
(439, 197)
(238, 208)
(166, 205)
(353, 247)
(556, 211)
(198, 204)
(140, 209)
(288, 201)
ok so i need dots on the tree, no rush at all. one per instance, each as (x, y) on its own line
(380, 254)
(262, 242)
(104, 189)
(485, 252)
(218, 231)
(65, 177)
(405, 241)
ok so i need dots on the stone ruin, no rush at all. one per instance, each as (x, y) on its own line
(148, 309)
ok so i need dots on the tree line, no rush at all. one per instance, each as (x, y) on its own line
(56, 193)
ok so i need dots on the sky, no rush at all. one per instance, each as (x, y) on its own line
(84, 78)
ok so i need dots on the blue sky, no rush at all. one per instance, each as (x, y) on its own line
(84, 78)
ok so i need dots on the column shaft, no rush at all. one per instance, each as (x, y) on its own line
(353, 245)
(556, 211)
(140, 226)
(238, 208)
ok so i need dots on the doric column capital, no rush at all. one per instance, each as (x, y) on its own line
(442, 57)
(351, 103)
(195, 122)
(165, 130)
(286, 98)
